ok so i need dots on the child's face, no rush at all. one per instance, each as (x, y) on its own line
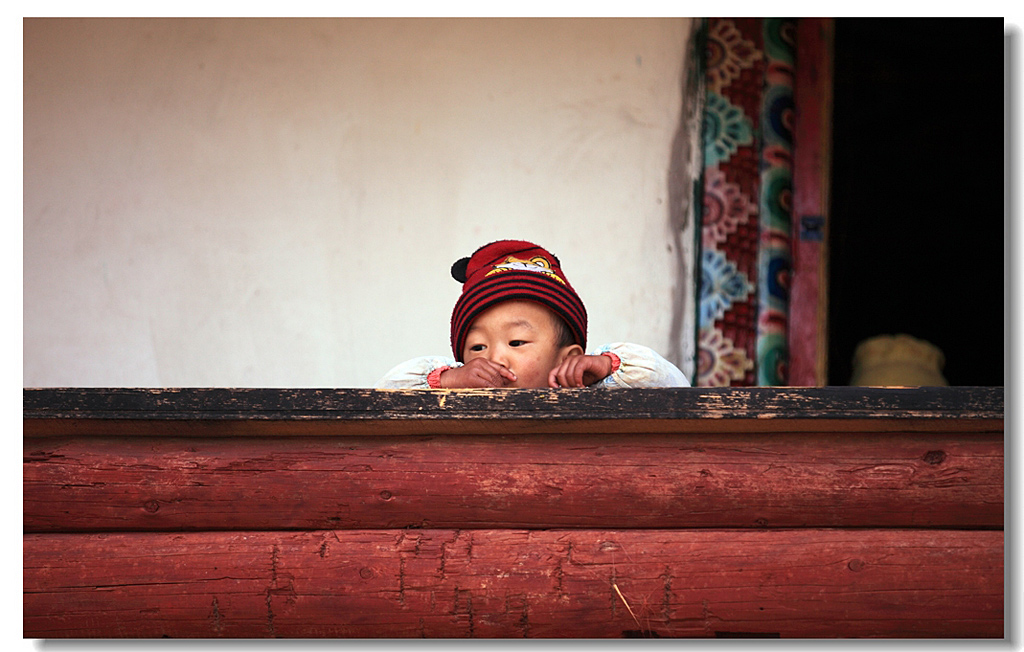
(522, 337)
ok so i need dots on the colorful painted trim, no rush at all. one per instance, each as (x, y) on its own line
(745, 221)
(776, 202)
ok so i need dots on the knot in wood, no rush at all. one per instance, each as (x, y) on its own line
(385, 495)
(855, 565)
(935, 457)
(365, 573)
(151, 506)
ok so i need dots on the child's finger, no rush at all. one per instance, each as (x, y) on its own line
(579, 372)
(561, 377)
(572, 374)
(498, 375)
(592, 373)
(586, 364)
(553, 377)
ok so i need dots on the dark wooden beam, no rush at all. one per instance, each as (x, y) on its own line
(259, 412)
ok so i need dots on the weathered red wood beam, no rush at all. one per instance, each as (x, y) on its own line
(302, 412)
(609, 481)
(514, 583)
(812, 169)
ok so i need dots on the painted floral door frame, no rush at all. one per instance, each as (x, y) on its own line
(761, 288)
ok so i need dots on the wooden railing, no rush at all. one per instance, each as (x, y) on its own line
(791, 512)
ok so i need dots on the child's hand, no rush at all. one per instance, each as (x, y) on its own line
(478, 372)
(580, 371)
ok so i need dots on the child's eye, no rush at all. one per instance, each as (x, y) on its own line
(477, 348)
(517, 342)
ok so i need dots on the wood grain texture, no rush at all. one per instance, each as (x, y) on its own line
(809, 512)
(812, 163)
(515, 583)
(274, 412)
(585, 481)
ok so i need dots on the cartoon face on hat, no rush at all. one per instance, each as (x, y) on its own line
(513, 269)
(538, 264)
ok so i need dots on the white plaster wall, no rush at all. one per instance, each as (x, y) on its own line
(276, 203)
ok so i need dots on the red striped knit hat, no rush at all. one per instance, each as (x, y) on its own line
(513, 269)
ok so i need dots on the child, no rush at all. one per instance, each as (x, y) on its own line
(518, 323)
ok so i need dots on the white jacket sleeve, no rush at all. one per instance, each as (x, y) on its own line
(640, 366)
(412, 374)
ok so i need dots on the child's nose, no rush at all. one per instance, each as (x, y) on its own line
(499, 354)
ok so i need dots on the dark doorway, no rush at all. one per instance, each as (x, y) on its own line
(917, 215)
